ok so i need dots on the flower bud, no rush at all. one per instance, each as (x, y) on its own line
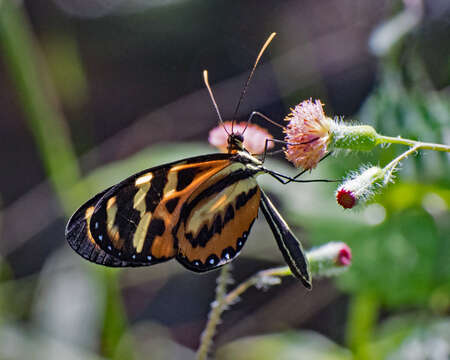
(359, 187)
(329, 259)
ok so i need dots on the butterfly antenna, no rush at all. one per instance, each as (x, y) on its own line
(254, 113)
(205, 79)
(244, 90)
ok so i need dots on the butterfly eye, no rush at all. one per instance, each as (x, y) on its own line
(239, 137)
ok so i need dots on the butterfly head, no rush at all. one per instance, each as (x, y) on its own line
(235, 142)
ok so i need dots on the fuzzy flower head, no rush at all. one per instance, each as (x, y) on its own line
(359, 187)
(254, 136)
(307, 134)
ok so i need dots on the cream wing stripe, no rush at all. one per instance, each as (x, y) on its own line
(141, 232)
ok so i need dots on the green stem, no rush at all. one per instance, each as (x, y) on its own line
(363, 315)
(265, 277)
(322, 260)
(422, 145)
(392, 165)
(38, 99)
(217, 308)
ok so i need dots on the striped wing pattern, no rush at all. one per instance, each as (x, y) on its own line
(80, 238)
(153, 216)
(216, 219)
(287, 242)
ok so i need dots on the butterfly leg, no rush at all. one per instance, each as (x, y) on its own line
(303, 171)
(289, 245)
(266, 145)
(287, 179)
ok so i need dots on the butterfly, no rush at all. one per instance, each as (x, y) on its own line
(198, 210)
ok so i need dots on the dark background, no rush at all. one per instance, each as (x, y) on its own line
(123, 80)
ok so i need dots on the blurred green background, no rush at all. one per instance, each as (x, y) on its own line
(92, 91)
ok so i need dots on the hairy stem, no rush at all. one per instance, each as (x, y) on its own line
(324, 261)
(389, 168)
(419, 144)
(217, 308)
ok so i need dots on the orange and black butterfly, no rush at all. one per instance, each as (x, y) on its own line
(198, 210)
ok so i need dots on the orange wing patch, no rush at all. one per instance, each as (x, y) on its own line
(182, 181)
(216, 224)
(135, 220)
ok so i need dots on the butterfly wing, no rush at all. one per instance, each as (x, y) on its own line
(289, 245)
(131, 223)
(80, 238)
(217, 217)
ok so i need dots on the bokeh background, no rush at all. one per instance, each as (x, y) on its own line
(92, 91)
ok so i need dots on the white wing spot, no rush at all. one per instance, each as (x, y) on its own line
(144, 179)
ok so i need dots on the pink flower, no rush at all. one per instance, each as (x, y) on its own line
(307, 134)
(254, 136)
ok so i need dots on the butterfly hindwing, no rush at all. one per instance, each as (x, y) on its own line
(217, 217)
(132, 221)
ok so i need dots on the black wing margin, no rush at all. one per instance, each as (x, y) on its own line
(289, 245)
(77, 235)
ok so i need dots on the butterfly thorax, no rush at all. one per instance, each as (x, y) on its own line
(242, 155)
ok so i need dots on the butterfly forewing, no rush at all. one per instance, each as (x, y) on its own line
(133, 221)
(217, 217)
(80, 238)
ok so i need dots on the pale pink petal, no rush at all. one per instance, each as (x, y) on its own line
(254, 136)
(307, 134)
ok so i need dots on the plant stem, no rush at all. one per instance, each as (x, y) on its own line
(223, 299)
(323, 262)
(363, 315)
(217, 308)
(38, 99)
(391, 166)
(264, 277)
(422, 145)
